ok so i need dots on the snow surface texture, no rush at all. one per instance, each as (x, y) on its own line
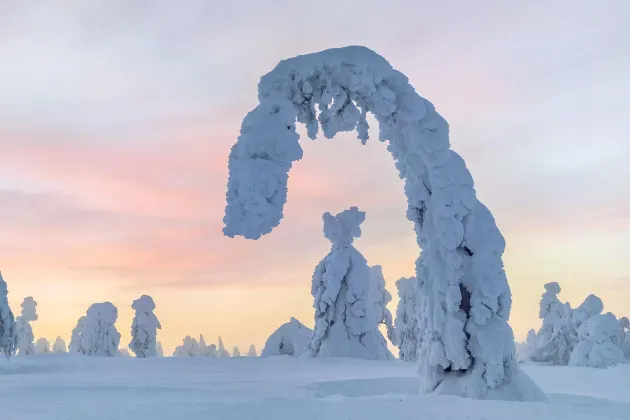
(8, 327)
(59, 346)
(407, 327)
(289, 339)
(144, 328)
(349, 296)
(26, 337)
(283, 388)
(599, 346)
(463, 282)
(95, 333)
(42, 346)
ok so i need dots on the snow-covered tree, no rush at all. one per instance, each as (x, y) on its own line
(598, 346)
(407, 327)
(144, 328)
(289, 339)
(207, 351)
(252, 351)
(159, 349)
(625, 337)
(188, 348)
(525, 349)
(59, 346)
(551, 312)
(468, 342)
(380, 298)
(8, 327)
(26, 337)
(223, 353)
(349, 301)
(236, 352)
(591, 306)
(557, 348)
(95, 333)
(42, 346)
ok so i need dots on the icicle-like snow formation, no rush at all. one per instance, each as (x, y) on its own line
(464, 285)
(26, 345)
(599, 345)
(407, 326)
(289, 339)
(349, 296)
(8, 327)
(95, 333)
(144, 328)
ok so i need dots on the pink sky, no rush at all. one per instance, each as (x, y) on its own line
(116, 122)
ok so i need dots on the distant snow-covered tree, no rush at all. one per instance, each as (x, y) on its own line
(598, 346)
(252, 351)
(188, 348)
(207, 350)
(8, 327)
(144, 328)
(591, 306)
(407, 326)
(289, 339)
(236, 352)
(95, 333)
(346, 315)
(379, 299)
(551, 312)
(223, 353)
(26, 337)
(42, 346)
(59, 346)
(525, 350)
(159, 349)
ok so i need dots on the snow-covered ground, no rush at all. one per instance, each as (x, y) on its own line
(281, 388)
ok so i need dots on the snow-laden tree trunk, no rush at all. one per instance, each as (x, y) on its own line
(26, 338)
(8, 327)
(463, 285)
(407, 326)
(144, 328)
(349, 297)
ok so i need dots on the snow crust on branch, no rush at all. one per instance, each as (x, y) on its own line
(407, 326)
(144, 328)
(464, 284)
(349, 296)
(290, 339)
(8, 327)
(96, 333)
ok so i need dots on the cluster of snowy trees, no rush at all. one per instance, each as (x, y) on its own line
(190, 347)
(583, 336)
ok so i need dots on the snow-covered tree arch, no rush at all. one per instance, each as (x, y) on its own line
(467, 297)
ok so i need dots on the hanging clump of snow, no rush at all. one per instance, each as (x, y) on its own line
(289, 339)
(467, 337)
(407, 326)
(26, 338)
(599, 345)
(350, 296)
(96, 333)
(144, 328)
(8, 327)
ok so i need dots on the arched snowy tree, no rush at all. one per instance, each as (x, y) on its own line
(8, 327)
(26, 338)
(599, 346)
(252, 351)
(223, 353)
(236, 352)
(95, 333)
(42, 346)
(468, 299)
(407, 326)
(144, 328)
(188, 348)
(349, 299)
(290, 339)
(59, 346)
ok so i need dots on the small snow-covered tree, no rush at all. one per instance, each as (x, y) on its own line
(591, 306)
(529, 346)
(26, 337)
(95, 333)
(598, 346)
(207, 351)
(42, 346)
(223, 353)
(252, 351)
(346, 313)
(159, 349)
(59, 346)
(551, 312)
(8, 327)
(379, 299)
(236, 352)
(289, 339)
(144, 328)
(188, 348)
(407, 327)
